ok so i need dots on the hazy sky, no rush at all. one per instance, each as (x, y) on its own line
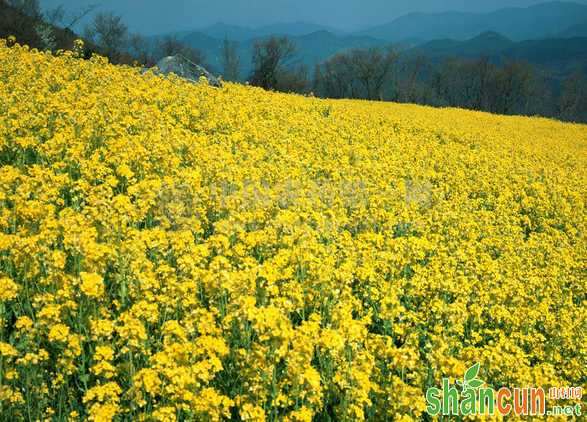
(155, 17)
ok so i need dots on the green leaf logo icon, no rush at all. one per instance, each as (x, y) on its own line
(475, 383)
(470, 375)
(472, 372)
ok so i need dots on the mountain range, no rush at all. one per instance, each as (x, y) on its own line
(546, 20)
(561, 55)
(242, 33)
(552, 35)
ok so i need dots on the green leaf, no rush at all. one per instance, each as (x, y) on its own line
(459, 382)
(472, 372)
(475, 383)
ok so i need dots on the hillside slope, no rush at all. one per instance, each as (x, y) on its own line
(171, 251)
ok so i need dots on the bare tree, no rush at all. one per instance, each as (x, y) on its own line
(30, 8)
(294, 79)
(67, 19)
(358, 72)
(413, 67)
(541, 101)
(53, 16)
(373, 67)
(571, 105)
(20, 19)
(475, 81)
(272, 58)
(229, 60)
(171, 45)
(511, 84)
(333, 78)
(142, 49)
(109, 33)
(444, 80)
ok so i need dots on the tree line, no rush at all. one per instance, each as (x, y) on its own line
(53, 29)
(383, 73)
(395, 73)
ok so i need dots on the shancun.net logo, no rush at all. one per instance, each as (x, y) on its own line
(475, 400)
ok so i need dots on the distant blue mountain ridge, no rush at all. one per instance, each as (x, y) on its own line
(552, 35)
(546, 20)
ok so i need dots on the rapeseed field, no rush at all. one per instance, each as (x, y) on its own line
(176, 252)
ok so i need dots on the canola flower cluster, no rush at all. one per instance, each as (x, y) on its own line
(129, 293)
